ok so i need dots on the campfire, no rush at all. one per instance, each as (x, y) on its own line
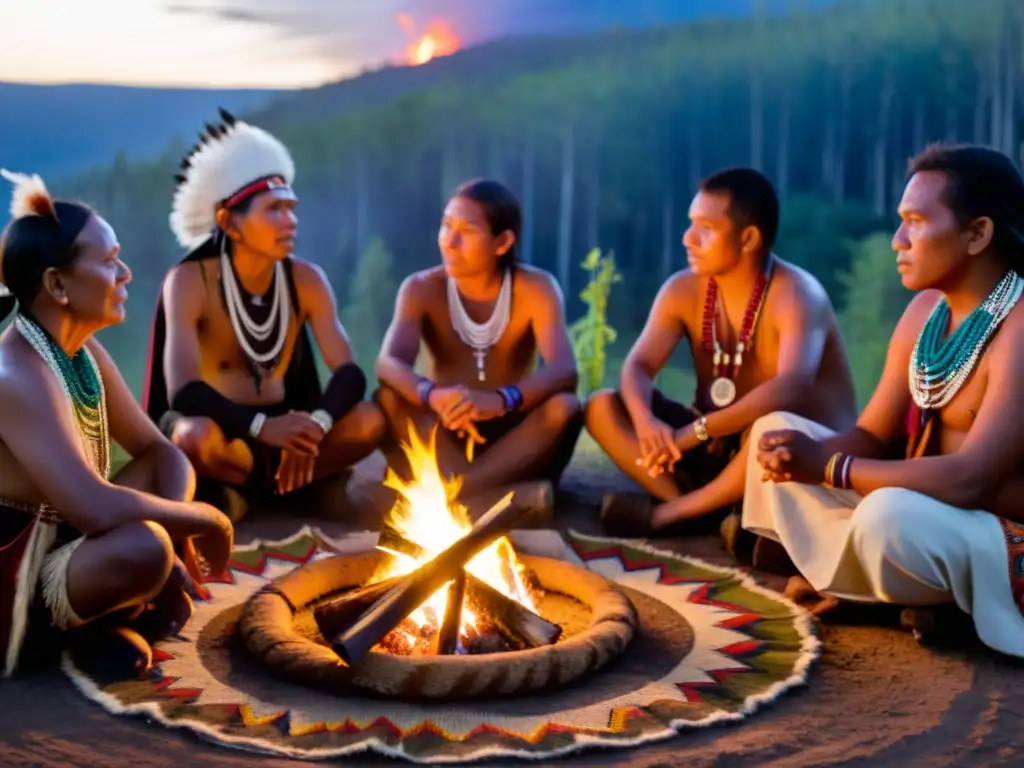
(447, 586)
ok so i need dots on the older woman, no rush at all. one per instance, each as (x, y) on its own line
(74, 545)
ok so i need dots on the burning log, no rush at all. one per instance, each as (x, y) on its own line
(513, 619)
(448, 635)
(414, 588)
(333, 616)
(522, 626)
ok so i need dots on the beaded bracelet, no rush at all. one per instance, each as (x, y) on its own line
(830, 468)
(512, 397)
(837, 471)
(423, 389)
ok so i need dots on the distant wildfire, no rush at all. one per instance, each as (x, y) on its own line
(439, 39)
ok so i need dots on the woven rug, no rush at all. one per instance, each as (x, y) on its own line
(711, 647)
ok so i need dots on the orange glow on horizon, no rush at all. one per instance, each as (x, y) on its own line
(438, 40)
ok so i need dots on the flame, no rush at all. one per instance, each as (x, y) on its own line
(426, 514)
(438, 40)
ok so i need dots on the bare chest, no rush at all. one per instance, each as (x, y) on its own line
(221, 351)
(455, 360)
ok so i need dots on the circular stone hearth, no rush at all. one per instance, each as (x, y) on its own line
(277, 626)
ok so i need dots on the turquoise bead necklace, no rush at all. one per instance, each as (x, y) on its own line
(940, 366)
(80, 379)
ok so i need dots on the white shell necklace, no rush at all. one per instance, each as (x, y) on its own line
(242, 322)
(481, 336)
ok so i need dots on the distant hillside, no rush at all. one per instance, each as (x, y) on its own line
(66, 128)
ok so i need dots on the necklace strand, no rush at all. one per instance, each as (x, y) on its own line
(939, 366)
(78, 380)
(480, 336)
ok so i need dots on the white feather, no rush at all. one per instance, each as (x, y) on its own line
(220, 168)
(25, 188)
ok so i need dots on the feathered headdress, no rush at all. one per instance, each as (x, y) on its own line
(232, 161)
(30, 196)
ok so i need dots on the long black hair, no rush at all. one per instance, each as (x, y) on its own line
(503, 212)
(33, 244)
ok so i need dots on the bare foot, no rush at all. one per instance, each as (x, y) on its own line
(799, 590)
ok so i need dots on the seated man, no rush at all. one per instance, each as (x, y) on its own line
(232, 377)
(483, 319)
(763, 336)
(944, 524)
(75, 547)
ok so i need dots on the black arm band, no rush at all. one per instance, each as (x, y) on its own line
(346, 388)
(197, 398)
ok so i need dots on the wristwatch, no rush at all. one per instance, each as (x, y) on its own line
(700, 429)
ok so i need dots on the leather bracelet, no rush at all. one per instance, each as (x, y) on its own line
(323, 418)
(700, 429)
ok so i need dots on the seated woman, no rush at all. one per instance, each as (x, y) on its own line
(74, 546)
(945, 525)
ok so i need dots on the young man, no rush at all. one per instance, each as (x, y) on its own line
(763, 336)
(483, 319)
(943, 524)
(74, 546)
(232, 378)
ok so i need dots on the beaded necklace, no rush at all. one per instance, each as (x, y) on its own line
(939, 366)
(723, 388)
(80, 379)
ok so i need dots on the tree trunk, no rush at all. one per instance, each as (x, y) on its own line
(782, 158)
(565, 207)
(949, 60)
(668, 240)
(980, 97)
(526, 247)
(693, 150)
(1013, 62)
(843, 131)
(756, 118)
(594, 202)
(362, 205)
(995, 77)
(920, 136)
(882, 144)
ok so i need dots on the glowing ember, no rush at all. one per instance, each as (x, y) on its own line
(427, 515)
(438, 40)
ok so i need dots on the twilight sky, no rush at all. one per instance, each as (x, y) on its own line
(276, 43)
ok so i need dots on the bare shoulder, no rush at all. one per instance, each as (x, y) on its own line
(185, 284)
(24, 377)
(1007, 340)
(535, 283)
(682, 289)
(795, 286)
(308, 275)
(423, 287)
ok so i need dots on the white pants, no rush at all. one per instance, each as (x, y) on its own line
(893, 545)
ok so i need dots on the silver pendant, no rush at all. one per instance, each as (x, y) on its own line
(723, 392)
(479, 355)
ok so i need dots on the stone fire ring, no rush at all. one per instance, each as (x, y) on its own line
(278, 630)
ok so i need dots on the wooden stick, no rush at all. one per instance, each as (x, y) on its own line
(336, 615)
(448, 635)
(518, 623)
(521, 625)
(414, 589)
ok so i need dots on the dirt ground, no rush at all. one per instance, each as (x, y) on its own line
(875, 698)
